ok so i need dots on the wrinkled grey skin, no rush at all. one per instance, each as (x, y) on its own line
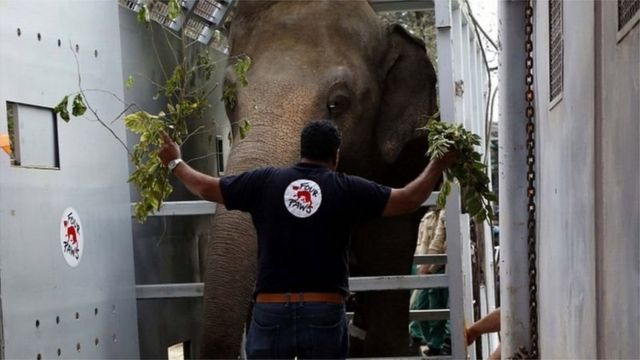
(315, 60)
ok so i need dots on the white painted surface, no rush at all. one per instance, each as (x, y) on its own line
(95, 301)
(565, 173)
(514, 279)
(589, 188)
(618, 199)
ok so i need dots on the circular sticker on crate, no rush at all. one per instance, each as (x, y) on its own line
(71, 236)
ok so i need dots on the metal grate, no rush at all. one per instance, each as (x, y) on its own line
(159, 13)
(556, 51)
(211, 10)
(626, 11)
(197, 29)
(130, 4)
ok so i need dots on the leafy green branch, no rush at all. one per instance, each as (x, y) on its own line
(230, 90)
(186, 90)
(469, 170)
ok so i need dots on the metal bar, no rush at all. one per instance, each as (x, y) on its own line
(398, 282)
(422, 315)
(439, 259)
(466, 76)
(433, 314)
(203, 207)
(401, 5)
(514, 270)
(476, 82)
(447, 75)
(467, 274)
(432, 199)
(458, 60)
(183, 208)
(169, 291)
(443, 357)
(371, 283)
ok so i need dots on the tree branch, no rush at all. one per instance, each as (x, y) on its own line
(86, 101)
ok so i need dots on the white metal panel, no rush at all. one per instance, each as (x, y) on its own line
(449, 112)
(48, 307)
(565, 172)
(617, 134)
(36, 134)
(514, 280)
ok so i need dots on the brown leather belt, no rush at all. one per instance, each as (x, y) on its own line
(334, 298)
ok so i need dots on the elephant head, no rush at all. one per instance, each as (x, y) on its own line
(313, 60)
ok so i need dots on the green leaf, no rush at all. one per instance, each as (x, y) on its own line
(144, 14)
(174, 82)
(473, 206)
(244, 129)
(445, 190)
(468, 170)
(61, 109)
(136, 121)
(241, 68)
(79, 107)
(130, 81)
(173, 9)
(229, 96)
(441, 202)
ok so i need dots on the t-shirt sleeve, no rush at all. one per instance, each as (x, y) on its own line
(242, 192)
(367, 199)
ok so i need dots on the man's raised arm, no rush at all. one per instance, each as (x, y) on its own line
(202, 185)
(409, 198)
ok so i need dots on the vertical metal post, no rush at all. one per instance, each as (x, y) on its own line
(449, 113)
(473, 79)
(465, 75)
(514, 279)
(479, 87)
(458, 59)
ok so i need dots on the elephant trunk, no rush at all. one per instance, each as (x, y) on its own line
(229, 277)
(273, 140)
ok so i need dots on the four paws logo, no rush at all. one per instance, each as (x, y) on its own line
(71, 237)
(302, 198)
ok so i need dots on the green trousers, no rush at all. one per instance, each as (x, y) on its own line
(433, 332)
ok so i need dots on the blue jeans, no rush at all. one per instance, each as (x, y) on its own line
(306, 330)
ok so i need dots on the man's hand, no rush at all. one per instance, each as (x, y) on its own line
(470, 335)
(409, 198)
(169, 150)
(448, 160)
(202, 185)
(424, 270)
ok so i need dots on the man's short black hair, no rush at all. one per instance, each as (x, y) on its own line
(320, 141)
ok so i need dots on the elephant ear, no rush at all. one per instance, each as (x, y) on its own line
(408, 95)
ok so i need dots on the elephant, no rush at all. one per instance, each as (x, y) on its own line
(323, 60)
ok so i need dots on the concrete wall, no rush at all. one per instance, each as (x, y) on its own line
(618, 186)
(566, 201)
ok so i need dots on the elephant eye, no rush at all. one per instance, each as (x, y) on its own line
(338, 104)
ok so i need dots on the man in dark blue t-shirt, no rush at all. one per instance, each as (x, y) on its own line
(303, 217)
